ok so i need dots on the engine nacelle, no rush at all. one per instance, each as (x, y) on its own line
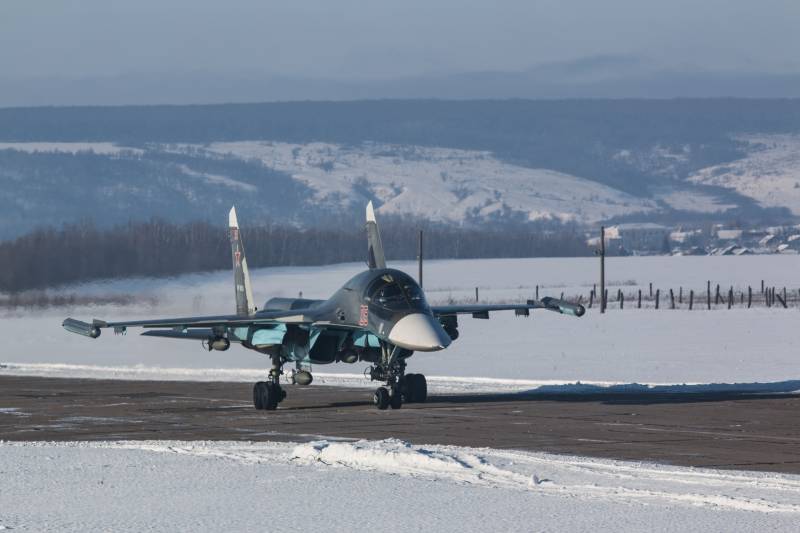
(451, 331)
(450, 325)
(218, 343)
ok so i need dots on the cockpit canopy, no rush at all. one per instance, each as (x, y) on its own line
(396, 291)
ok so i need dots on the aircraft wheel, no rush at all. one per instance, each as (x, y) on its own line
(258, 395)
(396, 400)
(420, 389)
(381, 398)
(268, 394)
(416, 388)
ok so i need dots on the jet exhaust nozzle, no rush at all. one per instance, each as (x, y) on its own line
(81, 328)
(563, 307)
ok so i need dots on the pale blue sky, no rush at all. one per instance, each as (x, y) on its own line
(354, 39)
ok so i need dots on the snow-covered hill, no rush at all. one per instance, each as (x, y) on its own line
(309, 183)
(770, 173)
(437, 183)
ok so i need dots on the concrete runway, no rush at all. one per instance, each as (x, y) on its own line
(720, 430)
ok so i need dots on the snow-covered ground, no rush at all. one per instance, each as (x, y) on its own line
(360, 486)
(345, 485)
(629, 346)
(770, 173)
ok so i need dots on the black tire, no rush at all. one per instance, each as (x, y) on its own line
(420, 389)
(270, 396)
(416, 388)
(396, 400)
(381, 398)
(407, 387)
(257, 395)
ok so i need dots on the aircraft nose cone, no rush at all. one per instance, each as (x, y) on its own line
(419, 332)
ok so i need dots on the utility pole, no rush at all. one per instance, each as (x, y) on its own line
(419, 257)
(602, 269)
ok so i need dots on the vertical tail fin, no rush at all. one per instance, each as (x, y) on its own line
(375, 257)
(241, 276)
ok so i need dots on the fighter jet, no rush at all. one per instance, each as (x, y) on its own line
(379, 316)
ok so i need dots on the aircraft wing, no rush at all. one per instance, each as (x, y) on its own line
(220, 321)
(482, 310)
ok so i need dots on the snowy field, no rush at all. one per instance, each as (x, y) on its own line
(346, 486)
(621, 347)
(360, 486)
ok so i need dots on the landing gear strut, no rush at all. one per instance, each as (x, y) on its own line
(400, 387)
(268, 394)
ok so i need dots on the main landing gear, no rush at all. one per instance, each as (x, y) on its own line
(400, 387)
(268, 394)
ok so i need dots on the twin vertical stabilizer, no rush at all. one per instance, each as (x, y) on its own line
(375, 257)
(241, 276)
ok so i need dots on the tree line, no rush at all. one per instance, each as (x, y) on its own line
(50, 257)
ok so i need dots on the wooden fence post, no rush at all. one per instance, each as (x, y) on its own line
(651, 289)
(476, 295)
(680, 295)
(717, 296)
(640, 299)
(781, 300)
(591, 298)
(658, 294)
(749, 296)
(671, 299)
(730, 297)
(708, 295)
(762, 286)
(537, 292)
(621, 300)
(691, 299)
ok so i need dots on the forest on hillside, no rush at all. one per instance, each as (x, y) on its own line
(51, 257)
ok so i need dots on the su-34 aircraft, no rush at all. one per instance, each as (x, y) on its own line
(379, 316)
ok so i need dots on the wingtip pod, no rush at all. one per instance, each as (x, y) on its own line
(563, 307)
(81, 328)
(233, 222)
(370, 212)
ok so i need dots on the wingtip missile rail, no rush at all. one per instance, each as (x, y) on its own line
(563, 307)
(81, 328)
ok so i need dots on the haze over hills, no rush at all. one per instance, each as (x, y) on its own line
(455, 162)
(603, 76)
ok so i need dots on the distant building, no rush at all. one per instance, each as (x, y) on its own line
(768, 241)
(729, 234)
(733, 249)
(643, 237)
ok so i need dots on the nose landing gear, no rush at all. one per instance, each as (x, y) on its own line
(268, 394)
(400, 387)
